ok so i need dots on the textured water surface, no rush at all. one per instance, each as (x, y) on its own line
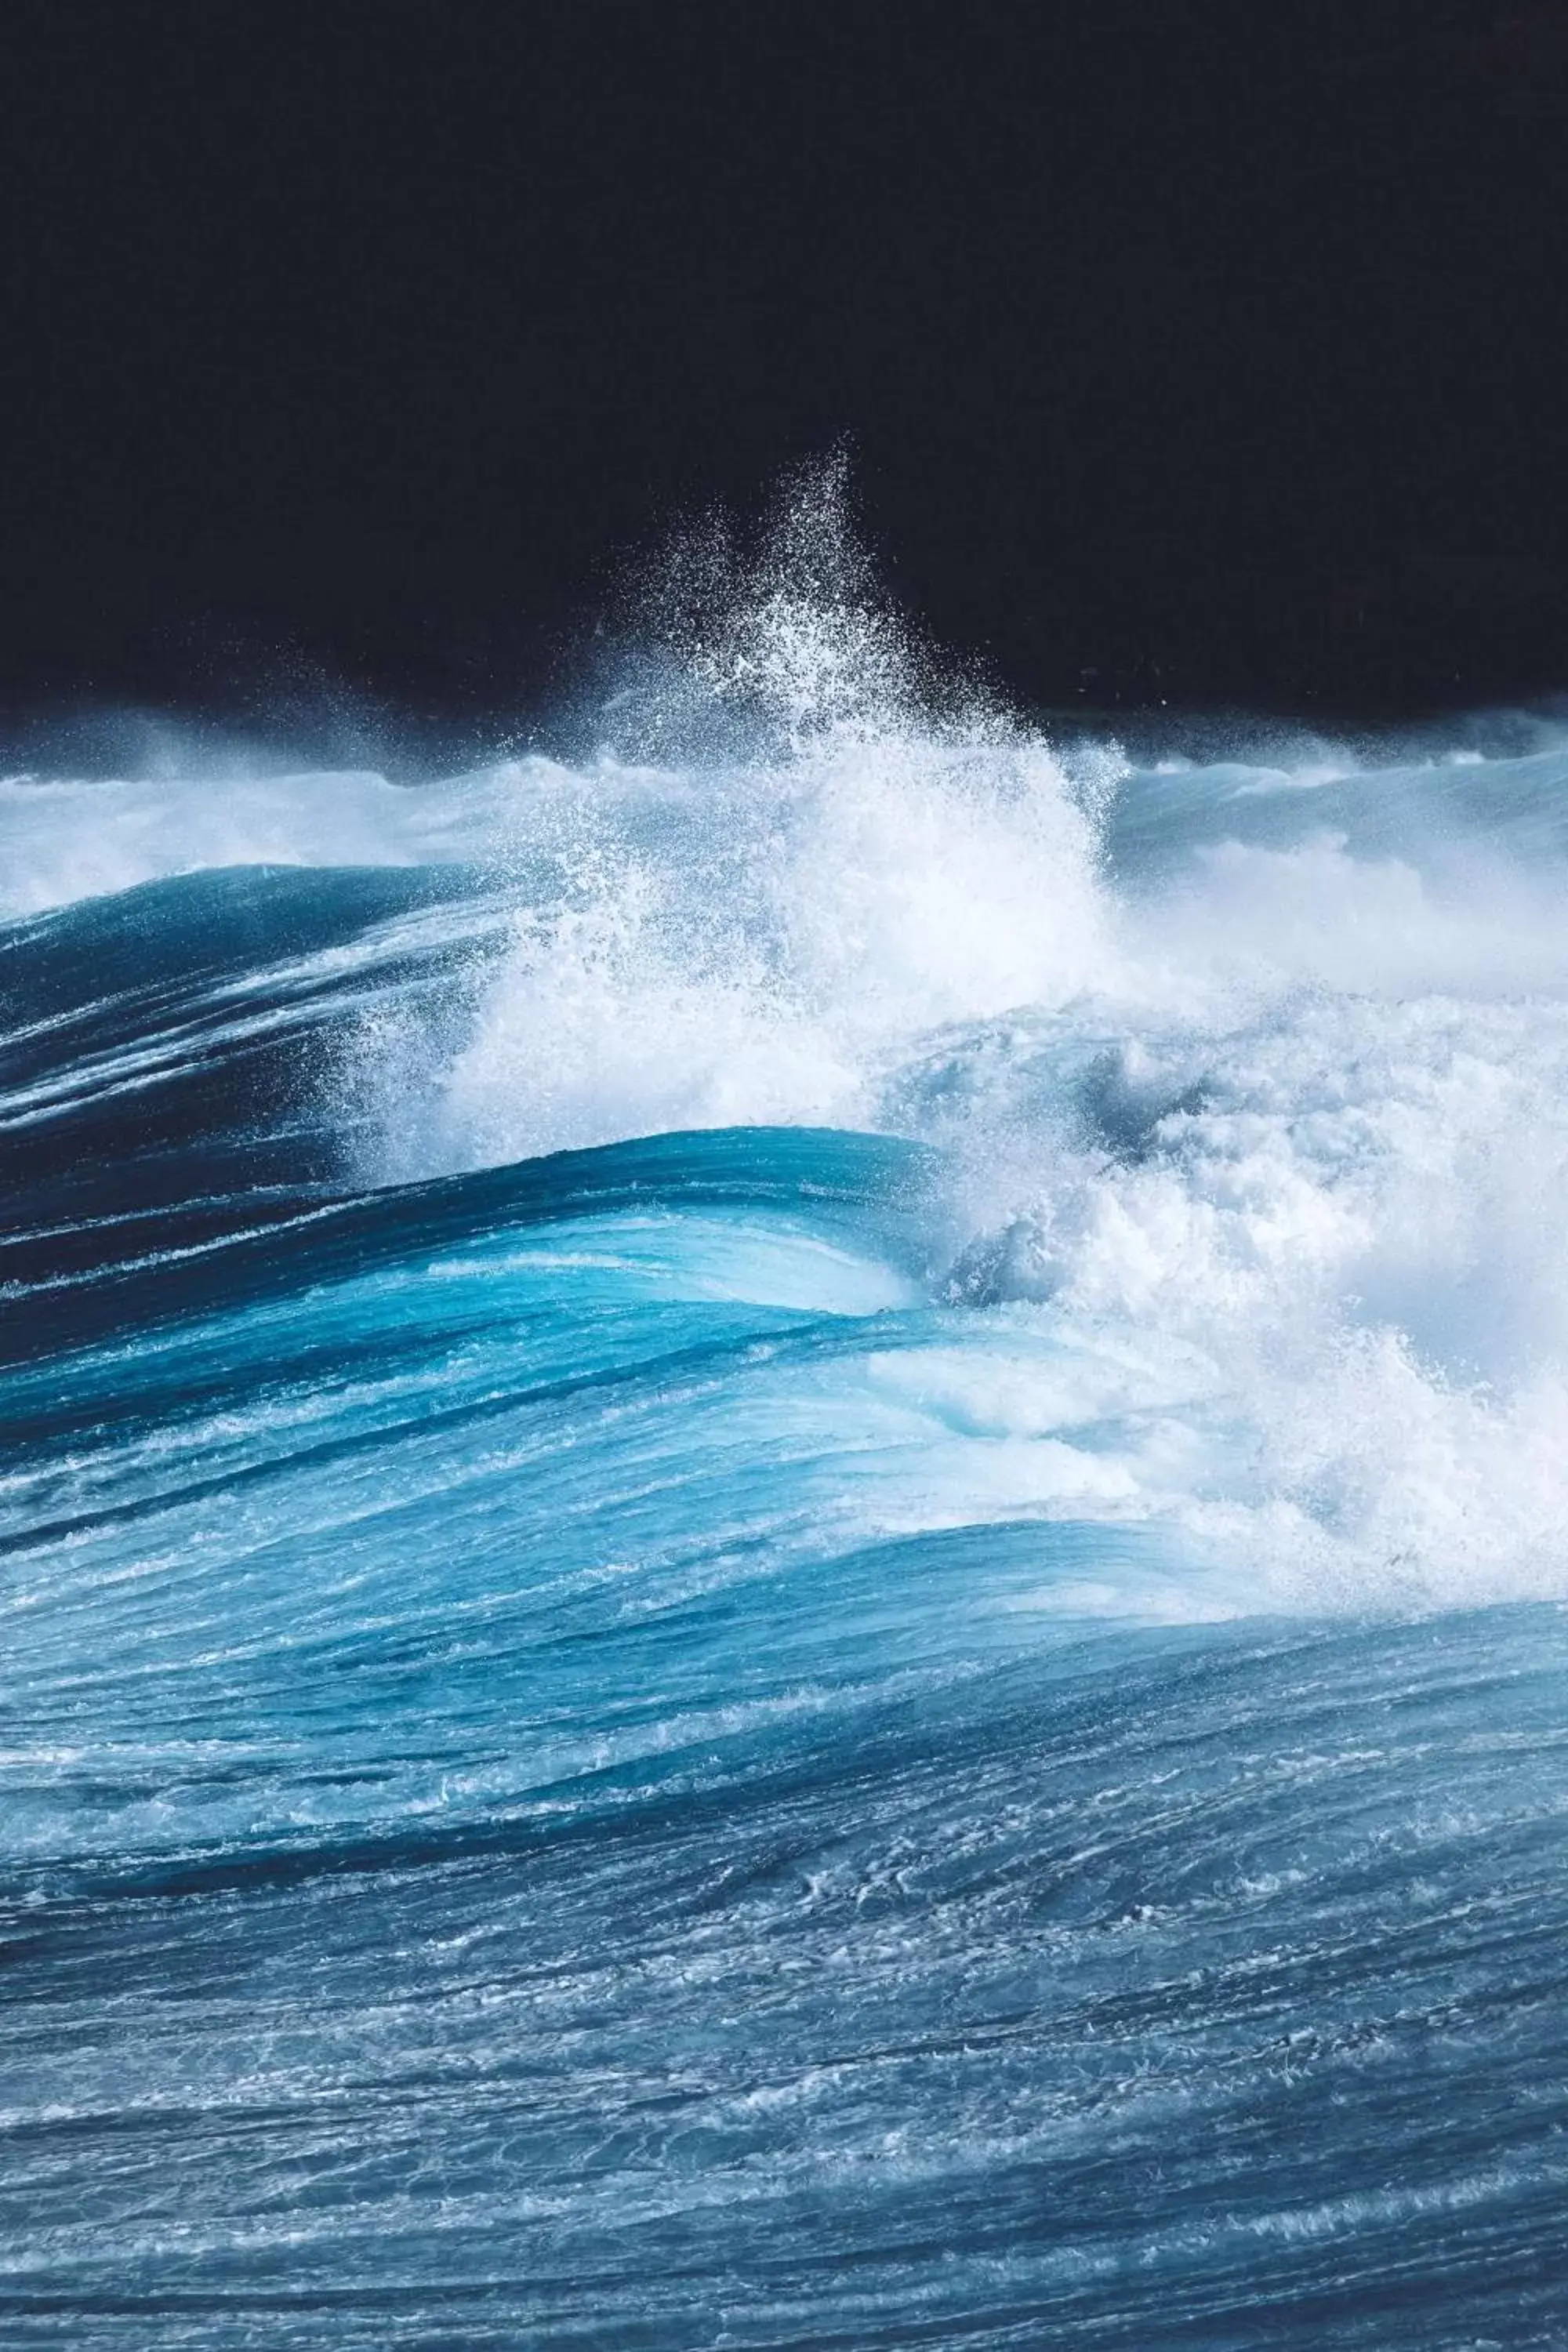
(782, 1545)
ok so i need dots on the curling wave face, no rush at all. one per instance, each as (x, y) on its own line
(783, 1546)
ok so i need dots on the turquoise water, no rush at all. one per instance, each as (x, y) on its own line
(782, 1546)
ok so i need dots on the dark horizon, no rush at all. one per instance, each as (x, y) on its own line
(1203, 359)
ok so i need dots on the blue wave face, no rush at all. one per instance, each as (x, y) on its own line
(782, 1548)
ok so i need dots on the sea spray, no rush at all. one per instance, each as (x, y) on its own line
(782, 1549)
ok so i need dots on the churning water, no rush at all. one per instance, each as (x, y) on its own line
(784, 1539)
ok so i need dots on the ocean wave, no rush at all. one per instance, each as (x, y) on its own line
(782, 1546)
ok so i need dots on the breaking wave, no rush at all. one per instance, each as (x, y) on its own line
(784, 1543)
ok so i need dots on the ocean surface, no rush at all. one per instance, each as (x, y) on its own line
(784, 1535)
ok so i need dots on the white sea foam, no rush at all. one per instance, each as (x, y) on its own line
(1254, 1074)
(1257, 1078)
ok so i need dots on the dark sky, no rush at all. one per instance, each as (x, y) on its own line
(1187, 349)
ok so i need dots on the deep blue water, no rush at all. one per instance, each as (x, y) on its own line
(783, 1553)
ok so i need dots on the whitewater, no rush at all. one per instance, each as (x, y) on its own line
(783, 1531)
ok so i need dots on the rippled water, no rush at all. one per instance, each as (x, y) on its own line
(783, 1546)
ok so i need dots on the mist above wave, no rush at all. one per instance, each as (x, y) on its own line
(1251, 1071)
